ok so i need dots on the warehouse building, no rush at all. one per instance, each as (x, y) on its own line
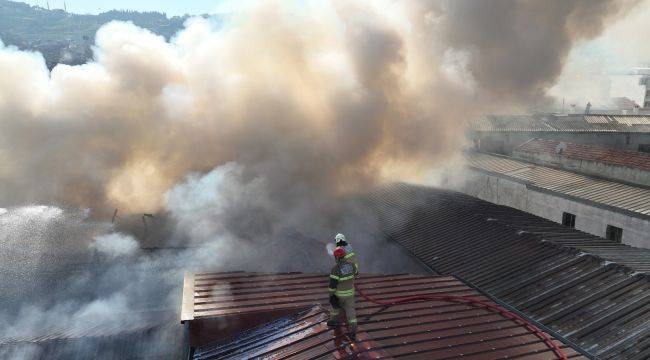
(503, 133)
(614, 210)
(570, 281)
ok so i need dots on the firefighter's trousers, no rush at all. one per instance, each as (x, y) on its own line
(346, 303)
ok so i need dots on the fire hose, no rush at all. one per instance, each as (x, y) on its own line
(477, 303)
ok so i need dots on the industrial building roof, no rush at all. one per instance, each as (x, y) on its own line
(613, 195)
(548, 274)
(510, 123)
(563, 123)
(637, 259)
(416, 330)
(613, 157)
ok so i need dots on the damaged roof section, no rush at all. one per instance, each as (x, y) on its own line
(418, 330)
(600, 305)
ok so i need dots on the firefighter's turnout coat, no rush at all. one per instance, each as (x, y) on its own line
(351, 257)
(342, 287)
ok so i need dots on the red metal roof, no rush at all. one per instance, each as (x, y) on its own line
(625, 158)
(236, 308)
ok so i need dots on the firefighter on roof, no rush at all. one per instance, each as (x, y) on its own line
(341, 289)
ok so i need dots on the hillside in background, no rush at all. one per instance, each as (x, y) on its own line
(66, 38)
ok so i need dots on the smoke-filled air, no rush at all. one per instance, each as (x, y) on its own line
(247, 137)
(313, 100)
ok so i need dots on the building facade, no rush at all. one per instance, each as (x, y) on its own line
(613, 210)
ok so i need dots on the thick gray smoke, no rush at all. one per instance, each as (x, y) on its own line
(328, 98)
(518, 47)
(249, 137)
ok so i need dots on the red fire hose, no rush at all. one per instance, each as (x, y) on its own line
(477, 303)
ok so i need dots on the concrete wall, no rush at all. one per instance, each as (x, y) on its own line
(632, 175)
(496, 190)
(590, 219)
(506, 142)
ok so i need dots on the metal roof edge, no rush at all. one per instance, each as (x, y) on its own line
(406, 251)
(590, 202)
(187, 305)
(559, 168)
(499, 175)
(526, 142)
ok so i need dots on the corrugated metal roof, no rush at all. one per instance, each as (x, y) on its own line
(527, 262)
(510, 123)
(235, 293)
(630, 198)
(637, 259)
(156, 344)
(579, 123)
(596, 119)
(162, 340)
(633, 120)
(613, 157)
(88, 326)
(419, 330)
(563, 123)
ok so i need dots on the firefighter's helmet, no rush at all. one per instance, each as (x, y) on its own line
(339, 238)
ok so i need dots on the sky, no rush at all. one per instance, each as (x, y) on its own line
(589, 73)
(170, 7)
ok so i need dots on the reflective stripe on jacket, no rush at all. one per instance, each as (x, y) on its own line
(342, 278)
(351, 257)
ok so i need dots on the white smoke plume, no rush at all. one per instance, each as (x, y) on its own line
(115, 244)
(320, 98)
(324, 100)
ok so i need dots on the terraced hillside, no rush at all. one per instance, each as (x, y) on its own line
(66, 38)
